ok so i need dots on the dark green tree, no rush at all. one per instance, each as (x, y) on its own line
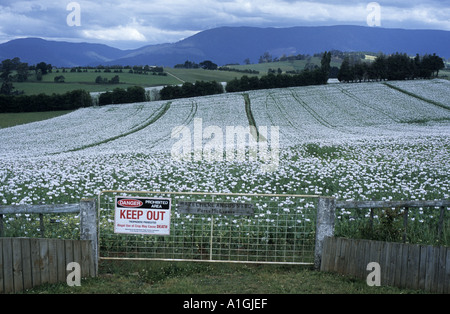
(437, 64)
(99, 80)
(114, 80)
(399, 67)
(7, 67)
(326, 62)
(346, 71)
(136, 94)
(7, 88)
(22, 72)
(379, 68)
(265, 58)
(59, 79)
(208, 65)
(44, 67)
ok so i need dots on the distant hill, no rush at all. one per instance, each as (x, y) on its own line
(234, 44)
(225, 45)
(58, 53)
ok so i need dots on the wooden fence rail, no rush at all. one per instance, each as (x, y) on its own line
(402, 265)
(442, 204)
(29, 262)
(37, 209)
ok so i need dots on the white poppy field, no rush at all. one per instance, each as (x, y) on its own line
(352, 141)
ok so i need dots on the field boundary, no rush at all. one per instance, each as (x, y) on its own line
(402, 265)
(363, 103)
(29, 262)
(186, 121)
(294, 238)
(416, 96)
(312, 112)
(152, 119)
(254, 131)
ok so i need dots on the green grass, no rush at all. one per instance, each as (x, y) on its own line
(12, 119)
(283, 65)
(86, 80)
(125, 77)
(294, 65)
(192, 75)
(144, 277)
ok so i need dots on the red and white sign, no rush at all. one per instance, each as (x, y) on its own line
(142, 215)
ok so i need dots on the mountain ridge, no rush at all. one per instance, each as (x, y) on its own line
(225, 45)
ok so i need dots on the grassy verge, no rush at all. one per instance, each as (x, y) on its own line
(144, 277)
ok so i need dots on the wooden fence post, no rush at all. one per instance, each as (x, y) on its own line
(326, 207)
(441, 223)
(405, 224)
(88, 227)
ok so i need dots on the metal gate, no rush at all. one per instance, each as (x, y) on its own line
(279, 229)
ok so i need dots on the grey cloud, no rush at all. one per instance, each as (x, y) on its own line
(159, 21)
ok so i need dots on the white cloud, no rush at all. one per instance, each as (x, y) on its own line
(161, 21)
(418, 16)
(119, 33)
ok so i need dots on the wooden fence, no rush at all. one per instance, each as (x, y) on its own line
(28, 262)
(404, 265)
(401, 265)
(406, 205)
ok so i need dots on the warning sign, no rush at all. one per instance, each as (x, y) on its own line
(142, 215)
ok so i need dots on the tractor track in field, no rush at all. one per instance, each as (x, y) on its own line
(155, 116)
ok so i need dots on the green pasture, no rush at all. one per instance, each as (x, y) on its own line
(12, 119)
(192, 75)
(263, 68)
(86, 80)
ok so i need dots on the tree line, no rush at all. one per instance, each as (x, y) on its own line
(199, 88)
(33, 103)
(394, 67)
(206, 65)
(245, 83)
(316, 76)
(123, 96)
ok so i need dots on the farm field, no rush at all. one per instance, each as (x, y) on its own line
(13, 119)
(352, 141)
(293, 65)
(86, 80)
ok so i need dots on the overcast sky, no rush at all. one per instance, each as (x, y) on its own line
(135, 23)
